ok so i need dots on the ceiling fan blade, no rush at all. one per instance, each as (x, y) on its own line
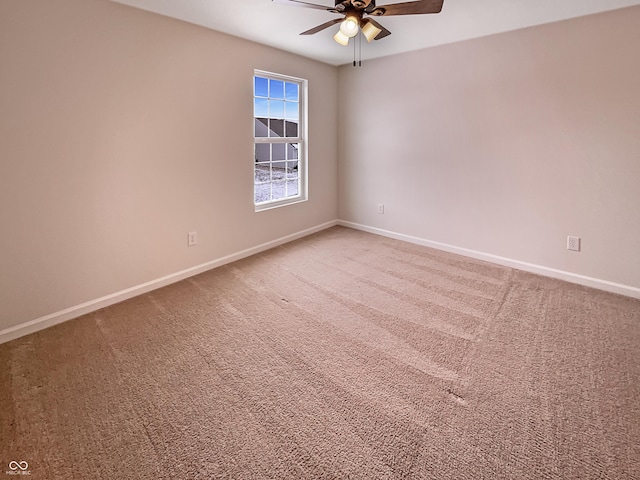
(319, 28)
(298, 3)
(409, 8)
(383, 33)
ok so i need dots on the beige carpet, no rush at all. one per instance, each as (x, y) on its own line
(341, 355)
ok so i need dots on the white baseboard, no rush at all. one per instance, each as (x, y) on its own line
(93, 305)
(605, 285)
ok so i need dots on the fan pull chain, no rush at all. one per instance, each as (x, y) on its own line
(354, 53)
(359, 57)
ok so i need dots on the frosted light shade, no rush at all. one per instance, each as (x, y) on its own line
(341, 38)
(349, 27)
(370, 31)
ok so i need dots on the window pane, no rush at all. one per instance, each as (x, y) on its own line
(261, 107)
(278, 172)
(262, 152)
(262, 193)
(276, 89)
(292, 129)
(276, 128)
(278, 190)
(291, 110)
(261, 87)
(276, 108)
(261, 127)
(292, 170)
(292, 151)
(292, 188)
(262, 173)
(278, 151)
(291, 90)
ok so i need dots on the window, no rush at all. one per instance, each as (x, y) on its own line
(279, 106)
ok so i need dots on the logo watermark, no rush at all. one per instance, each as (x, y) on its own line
(18, 468)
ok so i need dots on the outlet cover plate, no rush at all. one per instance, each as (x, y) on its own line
(192, 239)
(573, 243)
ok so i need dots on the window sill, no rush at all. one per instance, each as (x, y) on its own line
(278, 204)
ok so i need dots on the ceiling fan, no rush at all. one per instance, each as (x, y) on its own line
(356, 16)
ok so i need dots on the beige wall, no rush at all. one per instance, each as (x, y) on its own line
(504, 145)
(121, 131)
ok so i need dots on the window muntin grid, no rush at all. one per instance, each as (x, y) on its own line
(279, 103)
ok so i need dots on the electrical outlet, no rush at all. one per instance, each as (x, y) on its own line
(192, 239)
(381, 208)
(573, 244)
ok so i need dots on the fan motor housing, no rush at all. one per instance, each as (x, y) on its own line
(359, 4)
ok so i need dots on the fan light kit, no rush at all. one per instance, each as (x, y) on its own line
(356, 16)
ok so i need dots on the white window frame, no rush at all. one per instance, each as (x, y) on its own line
(301, 140)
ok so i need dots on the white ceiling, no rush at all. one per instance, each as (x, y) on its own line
(278, 25)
